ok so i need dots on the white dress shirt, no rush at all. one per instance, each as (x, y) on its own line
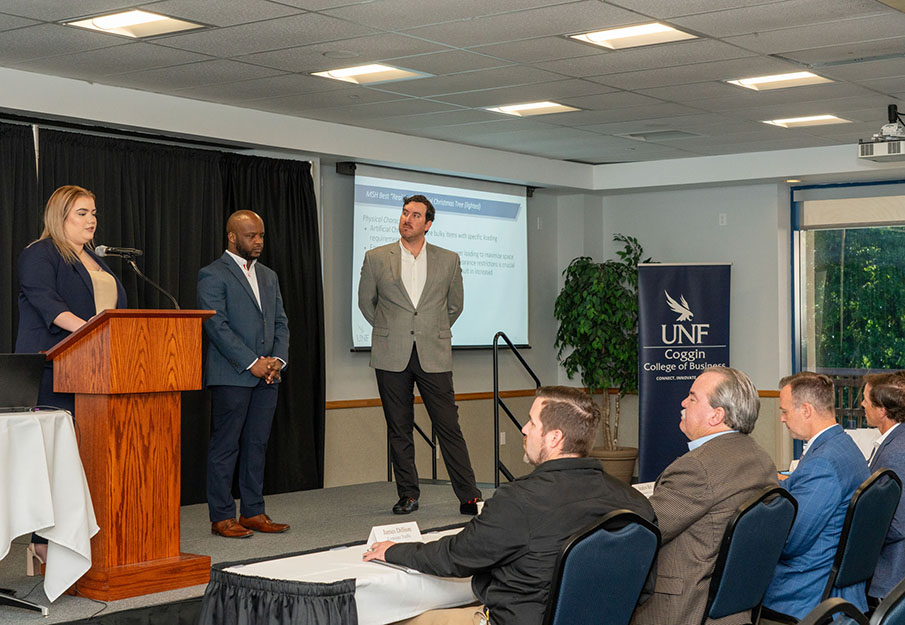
(414, 272)
(248, 268)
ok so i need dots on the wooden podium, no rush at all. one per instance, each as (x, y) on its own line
(127, 369)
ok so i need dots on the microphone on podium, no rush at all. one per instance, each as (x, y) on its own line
(123, 252)
(128, 254)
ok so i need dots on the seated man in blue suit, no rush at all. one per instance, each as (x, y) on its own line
(884, 407)
(249, 346)
(830, 470)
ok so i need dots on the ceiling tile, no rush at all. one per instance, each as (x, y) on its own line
(636, 59)
(869, 70)
(190, 75)
(408, 123)
(587, 118)
(700, 72)
(706, 124)
(891, 85)
(275, 34)
(8, 22)
(220, 12)
(454, 61)
(690, 92)
(841, 107)
(403, 14)
(470, 81)
(746, 98)
(54, 10)
(526, 93)
(345, 53)
(555, 20)
(260, 88)
(613, 100)
(376, 110)
(661, 9)
(43, 40)
(310, 101)
(537, 50)
(788, 14)
(94, 64)
(809, 36)
(848, 52)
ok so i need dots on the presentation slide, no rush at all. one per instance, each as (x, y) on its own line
(487, 229)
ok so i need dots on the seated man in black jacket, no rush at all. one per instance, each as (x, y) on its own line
(510, 549)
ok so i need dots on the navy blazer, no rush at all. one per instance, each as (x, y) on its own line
(240, 332)
(891, 566)
(48, 286)
(823, 484)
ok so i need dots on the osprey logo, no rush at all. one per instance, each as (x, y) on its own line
(682, 309)
(679, 333)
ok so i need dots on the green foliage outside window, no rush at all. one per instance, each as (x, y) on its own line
(858, 284)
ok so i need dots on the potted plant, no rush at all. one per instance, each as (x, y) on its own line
(597, 310)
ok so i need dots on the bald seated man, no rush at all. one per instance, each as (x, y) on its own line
(249, 347)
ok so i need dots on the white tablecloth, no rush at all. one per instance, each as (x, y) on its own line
(43, 489)
(382, 594)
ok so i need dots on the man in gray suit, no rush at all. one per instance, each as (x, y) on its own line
(249, 346)
(697, 495)
(411, 294)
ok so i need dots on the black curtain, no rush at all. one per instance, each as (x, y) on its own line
(20, 218)
(173, 203)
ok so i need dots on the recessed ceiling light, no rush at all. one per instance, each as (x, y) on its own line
(135, 24)
(793, 180)
(632, 36)
(532, 108)
(813, 120)
(370, 74)
(779, 81)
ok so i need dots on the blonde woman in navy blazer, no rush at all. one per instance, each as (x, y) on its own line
(56, 294)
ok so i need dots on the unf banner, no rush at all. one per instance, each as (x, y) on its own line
(683, 328)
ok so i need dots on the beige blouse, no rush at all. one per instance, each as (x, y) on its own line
(104, 290)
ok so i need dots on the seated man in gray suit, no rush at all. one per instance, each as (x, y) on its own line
(884, 407)
(697, 495)
(411, 294)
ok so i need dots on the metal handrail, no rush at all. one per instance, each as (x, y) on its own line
(498, 465)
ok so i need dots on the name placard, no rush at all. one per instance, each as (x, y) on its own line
(397, 532)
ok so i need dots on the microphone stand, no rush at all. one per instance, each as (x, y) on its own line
(130, 258)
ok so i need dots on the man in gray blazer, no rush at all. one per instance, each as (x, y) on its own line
(411, 294)
(697, 495)
(249, 346)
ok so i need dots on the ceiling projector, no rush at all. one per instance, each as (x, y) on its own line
(889, 143)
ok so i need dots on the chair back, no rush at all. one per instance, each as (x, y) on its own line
(866, 523)
(836, 611)
(891, 610)
(601, 571)
(749, 553)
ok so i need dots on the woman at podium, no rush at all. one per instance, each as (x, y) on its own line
(62, 284)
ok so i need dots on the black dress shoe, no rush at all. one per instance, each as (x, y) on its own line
(405, 505)
(470, 506)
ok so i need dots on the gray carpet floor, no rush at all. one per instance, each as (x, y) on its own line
(319, 518)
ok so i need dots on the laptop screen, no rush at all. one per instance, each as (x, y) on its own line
(20, 380)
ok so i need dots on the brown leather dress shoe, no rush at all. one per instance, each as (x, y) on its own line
(262, 523)
(228, 528)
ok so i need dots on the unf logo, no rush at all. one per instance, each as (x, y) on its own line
(679, 333)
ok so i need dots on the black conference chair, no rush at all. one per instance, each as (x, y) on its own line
(836, 611)
(863, 532)
(866, 523)
(601, 571)
(749, 552)
(891, 610)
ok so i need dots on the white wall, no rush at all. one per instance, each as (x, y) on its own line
(683, 226)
